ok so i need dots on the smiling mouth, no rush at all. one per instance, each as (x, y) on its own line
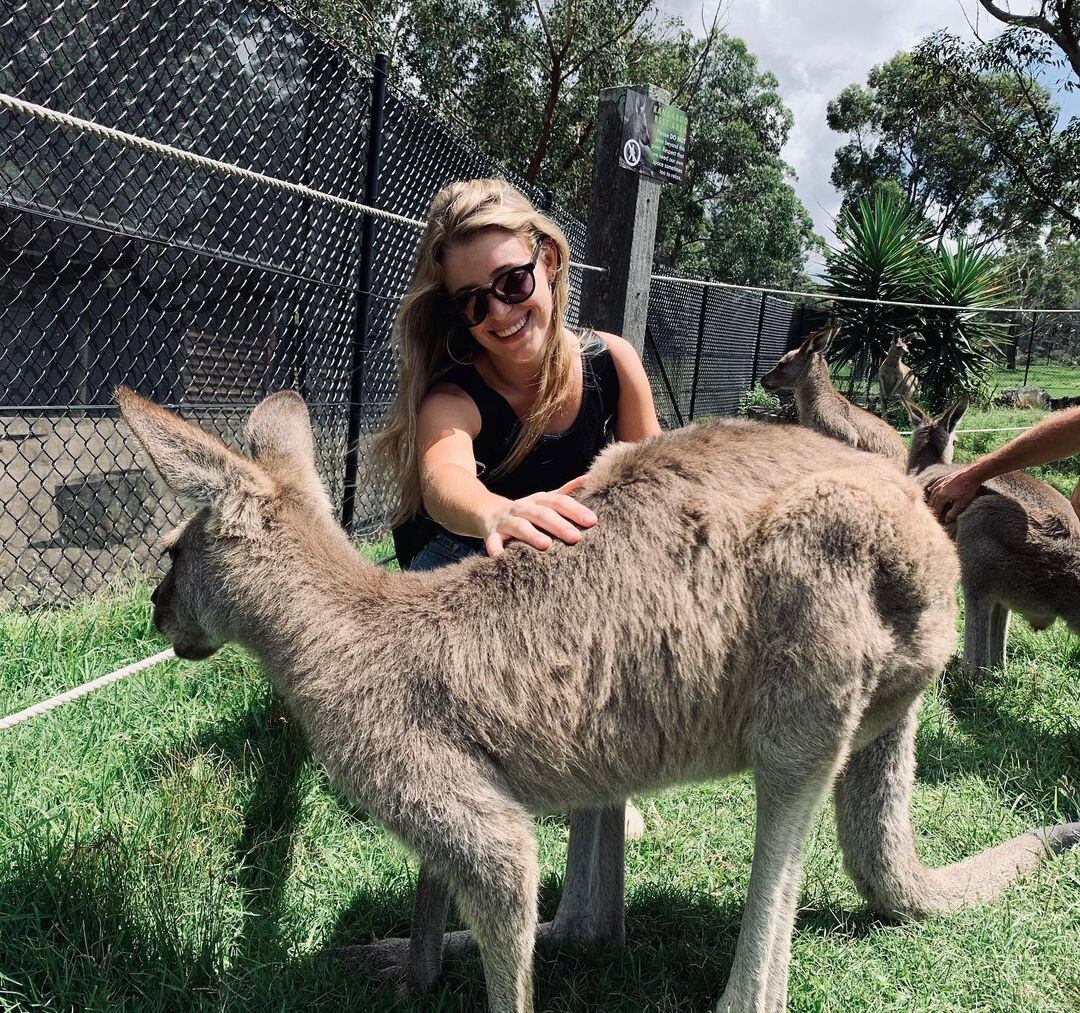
(514, 331)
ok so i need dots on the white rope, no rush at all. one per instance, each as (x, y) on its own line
(79, 691)
(148, 147)
(825, 297)
(962, 432)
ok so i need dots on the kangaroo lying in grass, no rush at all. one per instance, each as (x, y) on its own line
(1018, 542)
(822, 407)
(751, 598)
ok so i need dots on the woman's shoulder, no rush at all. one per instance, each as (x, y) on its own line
(447, 405)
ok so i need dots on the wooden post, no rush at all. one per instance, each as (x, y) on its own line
(621, 229)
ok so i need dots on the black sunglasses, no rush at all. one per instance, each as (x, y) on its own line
(512, 286)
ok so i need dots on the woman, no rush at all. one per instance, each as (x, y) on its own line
(500, 406)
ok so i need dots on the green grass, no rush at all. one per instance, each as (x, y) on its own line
(167, 844)
(1057, 381)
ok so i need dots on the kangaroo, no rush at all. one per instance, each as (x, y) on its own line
(822, 407)
(1018, 542)
(895, 379)
(751, 598)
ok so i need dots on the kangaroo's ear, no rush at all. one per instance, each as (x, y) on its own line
(197, 466)
(820, 340)
(951, 419)
(915, 413)
(280, 437)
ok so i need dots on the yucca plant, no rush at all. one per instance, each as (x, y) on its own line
(952, 350)
(882, 254)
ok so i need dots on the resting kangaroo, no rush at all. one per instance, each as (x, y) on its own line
(750, 598)
(822, 407)
(1018, 542)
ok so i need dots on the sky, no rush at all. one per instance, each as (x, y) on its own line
(817, 47)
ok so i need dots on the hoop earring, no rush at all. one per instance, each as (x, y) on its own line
(450, 353)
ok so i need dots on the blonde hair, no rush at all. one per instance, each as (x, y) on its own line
(423, 327)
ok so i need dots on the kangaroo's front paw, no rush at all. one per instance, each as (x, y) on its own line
(635, 822)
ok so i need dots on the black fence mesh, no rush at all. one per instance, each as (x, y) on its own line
(707, 346)
(200, 290)
(206, 292)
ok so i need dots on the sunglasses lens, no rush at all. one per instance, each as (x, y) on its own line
(471, 309)
(517, 285)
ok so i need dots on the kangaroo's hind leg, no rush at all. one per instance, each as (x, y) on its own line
(978, 614)
(591, 910)
(414, 963)
(480, 841)
(790, 785)
(999, 635)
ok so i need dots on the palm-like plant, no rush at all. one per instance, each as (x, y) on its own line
(882, 254)
(952, 349)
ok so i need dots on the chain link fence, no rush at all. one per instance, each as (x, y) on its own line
(1038, 363)
(206, 291)
(706, 346)
(200, 290)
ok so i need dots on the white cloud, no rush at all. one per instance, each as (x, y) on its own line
(817, 48)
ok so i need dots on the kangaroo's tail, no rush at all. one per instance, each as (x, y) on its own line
(873, 797)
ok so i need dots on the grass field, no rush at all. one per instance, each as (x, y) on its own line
(167, 844)
(1057, 381)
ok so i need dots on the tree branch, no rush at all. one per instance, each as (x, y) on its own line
(1062, 33)
(544, 26)
(609, 41)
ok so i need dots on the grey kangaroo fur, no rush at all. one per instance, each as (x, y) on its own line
(752, 598)
(823, 408)
(1018, 543)
(895, 378)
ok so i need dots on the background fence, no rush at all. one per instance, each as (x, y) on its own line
(206, 292)
(705, 347)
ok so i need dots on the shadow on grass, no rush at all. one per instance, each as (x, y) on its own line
(1024, 757)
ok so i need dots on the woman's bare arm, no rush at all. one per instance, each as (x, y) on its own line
(455, 497)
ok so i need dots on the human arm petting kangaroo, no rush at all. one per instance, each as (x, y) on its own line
(454, 496)
(1052, 439)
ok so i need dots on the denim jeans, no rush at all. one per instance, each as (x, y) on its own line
(443, 550)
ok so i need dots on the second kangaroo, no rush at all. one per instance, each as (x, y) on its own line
(823, 408)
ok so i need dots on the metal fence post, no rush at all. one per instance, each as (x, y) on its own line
(1031, 341)
(757, 341)
(697, 352)
(363, 296)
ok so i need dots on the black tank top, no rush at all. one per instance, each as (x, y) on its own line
(555, 458)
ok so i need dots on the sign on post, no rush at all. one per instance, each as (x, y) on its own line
(653, 138)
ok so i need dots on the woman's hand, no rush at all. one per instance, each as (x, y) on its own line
(538, 520)
(950, 495)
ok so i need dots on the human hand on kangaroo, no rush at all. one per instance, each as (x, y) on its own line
(538, 520)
